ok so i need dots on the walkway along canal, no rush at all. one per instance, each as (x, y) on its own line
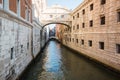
(60, 63)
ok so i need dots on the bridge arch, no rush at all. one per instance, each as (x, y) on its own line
(66, 24)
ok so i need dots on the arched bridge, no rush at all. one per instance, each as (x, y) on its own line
(56, 15)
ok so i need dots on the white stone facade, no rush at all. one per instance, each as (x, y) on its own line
(15, 46)
(36, 39)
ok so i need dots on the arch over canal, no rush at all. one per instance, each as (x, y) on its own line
(68, 24)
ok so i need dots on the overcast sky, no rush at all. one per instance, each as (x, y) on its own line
(70, 4)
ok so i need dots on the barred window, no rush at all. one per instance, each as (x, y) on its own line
(118, 48)
(103, 2)
(91, 23)
(118, 16)
(91, 7)
(102, 20)
(90, 43)
(101, 45)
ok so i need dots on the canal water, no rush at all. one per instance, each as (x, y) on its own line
(60, 63)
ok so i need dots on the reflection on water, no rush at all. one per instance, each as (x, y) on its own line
(58, 63)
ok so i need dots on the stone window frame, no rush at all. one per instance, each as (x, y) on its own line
(102, 19)
(28, 45)
(91, 23)
(78, 15)
(11, 53)
(91, 7)
(70, 39)
(83, 25)
(118, 48)
(77, 40)
(82, 42)
(62, 16)
(21, 48)
(90, 43)
(77, 26)
(118, 15)
(103, 2)
(51, 16)
(101, 45)
(73, 17)
(83, 11)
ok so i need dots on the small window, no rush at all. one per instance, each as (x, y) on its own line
(102, 20)
(82, 42)
(118, 16)
(62, 16)
(91, 23)
(77, 15)
(103, 2)
(73, 39)
(28, 45)
(90, 43)
(118, 48)
(70, 39)
(101, 45)
(78, 26)
(83, 11)
(76, 40)
(51, 16)
(21, 48)
(83, 25)
(12, 50)
(73, 17)
(91, 7)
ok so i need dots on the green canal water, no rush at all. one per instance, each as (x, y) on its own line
(60, 63)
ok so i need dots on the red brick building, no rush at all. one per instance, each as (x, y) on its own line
(22, 8)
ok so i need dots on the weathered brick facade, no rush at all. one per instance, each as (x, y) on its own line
(0, 1)
(26, 4)
(13, 5)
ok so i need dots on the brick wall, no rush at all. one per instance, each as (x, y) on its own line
(13, 5)
(24, 5)
(23, 8)
(0, 1)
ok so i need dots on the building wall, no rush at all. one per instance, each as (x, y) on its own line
(107, 33)
(15, 47)
(36, 39)
(13, 5)
(16, 38)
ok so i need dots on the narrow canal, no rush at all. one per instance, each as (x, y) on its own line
(59, 63)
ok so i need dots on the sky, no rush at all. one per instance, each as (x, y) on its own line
(70, 4)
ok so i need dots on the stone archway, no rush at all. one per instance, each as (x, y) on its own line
(68, 24)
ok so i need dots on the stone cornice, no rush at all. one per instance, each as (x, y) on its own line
(8, 15)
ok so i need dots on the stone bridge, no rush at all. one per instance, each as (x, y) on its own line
(56, 15)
